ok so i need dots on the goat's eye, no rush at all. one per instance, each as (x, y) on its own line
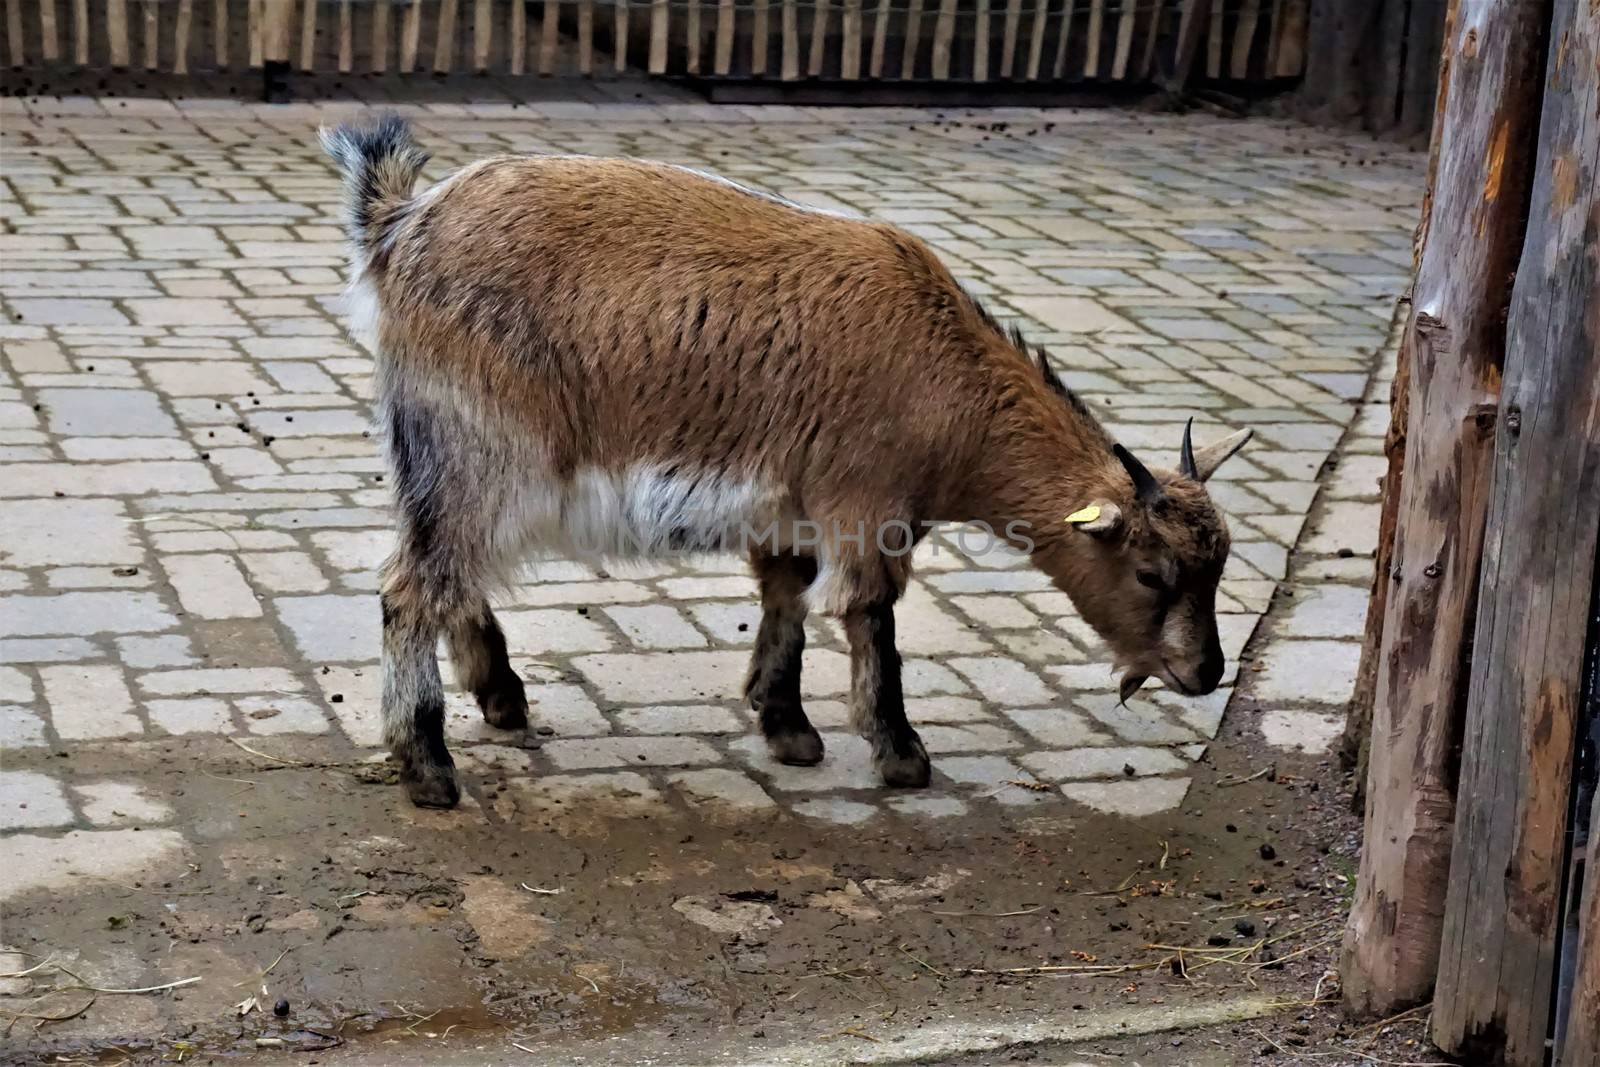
(1150, 580)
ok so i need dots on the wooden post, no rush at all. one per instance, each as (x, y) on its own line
(619, 36)
(944, 30)
(1497, 962)
(759, 44)
(980, 42)
(1041, 18)
(1356, 745)
(1372, 63)
(660, 15)
(19, 57)
(789, 21)
(180, 37)
(549, 30)
(308, 36)
(819, 38)
(1582, 1041)
(1455, 345)
(1191, 24)
(444, 41)
(850, 46)
(723, 58)
(908, 57)
(586, 37)
(49, 35)
(482, 35)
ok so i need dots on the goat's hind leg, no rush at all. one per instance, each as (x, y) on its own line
(413, 696)
(478, 650)
(773, 687)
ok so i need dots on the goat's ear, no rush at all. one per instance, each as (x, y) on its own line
(1100, 519)
(1206, 460)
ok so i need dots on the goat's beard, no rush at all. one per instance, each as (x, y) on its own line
(1130, 685)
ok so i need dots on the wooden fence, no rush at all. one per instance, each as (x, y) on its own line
(788, 40)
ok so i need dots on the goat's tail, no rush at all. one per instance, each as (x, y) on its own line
(380, 162)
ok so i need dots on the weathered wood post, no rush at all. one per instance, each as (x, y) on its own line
(1454, 344)
(1497, 962)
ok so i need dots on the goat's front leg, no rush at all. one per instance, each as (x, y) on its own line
(877, 704)
(773, 686)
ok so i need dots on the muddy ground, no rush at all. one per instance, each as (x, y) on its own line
(611, 933)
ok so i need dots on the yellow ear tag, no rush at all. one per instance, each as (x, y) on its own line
(1082, 515)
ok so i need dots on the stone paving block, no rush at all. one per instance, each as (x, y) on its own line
(1309, 731)
(656, 626)
(1057, 727)
(836, 810)
(111, 803)
(1004, 681)
(1147, 796)
(206, 680)
(332, 629)
(281, 715)
(680, 719)
(1118, 762)
(1139, 720)
(722, 791)
(15, 686)
(284, 572)
(945, 709)
(29, 799)
(1320, 672)
(53, 532)
(967, 737)
(555, 630)
(46, 650)
(212, 587)
(110, 479)
(1326, 610)
(589, 753)
(165, 650)
(89, 701)
(732, 624)
(196, 715)
(567, 710)
(20, 728)
(106, 413)
(69, 860)
(846, 764)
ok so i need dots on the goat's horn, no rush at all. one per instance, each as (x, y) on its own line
(1145, 486)
(1186, 457)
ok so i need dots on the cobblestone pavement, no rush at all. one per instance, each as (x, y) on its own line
(193, 509)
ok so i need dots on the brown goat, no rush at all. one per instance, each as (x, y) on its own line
(621, 358)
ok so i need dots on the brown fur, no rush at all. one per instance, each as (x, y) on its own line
(544, 317)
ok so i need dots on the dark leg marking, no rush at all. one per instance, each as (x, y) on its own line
(413, 707)
(773, 687)
(478, 650)
(877, 702)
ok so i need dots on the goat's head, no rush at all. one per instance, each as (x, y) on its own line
(1155, 545)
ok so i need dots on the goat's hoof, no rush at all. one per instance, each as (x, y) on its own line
(910, 769)
(800, 748)
(505, 707)
(432, 787)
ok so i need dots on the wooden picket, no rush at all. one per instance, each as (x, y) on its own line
(846, 41)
